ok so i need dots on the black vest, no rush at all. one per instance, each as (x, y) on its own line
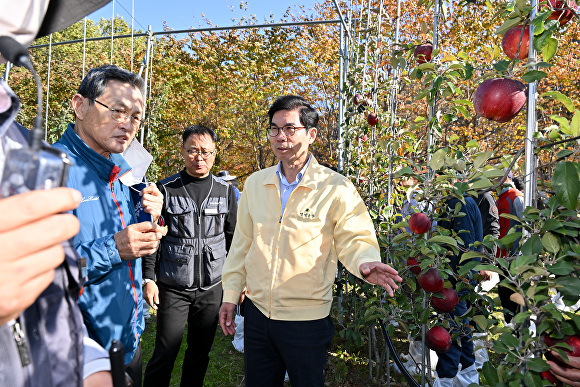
(193, 252)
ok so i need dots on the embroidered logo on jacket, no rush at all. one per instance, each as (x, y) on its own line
(90, 198)
(306, 214)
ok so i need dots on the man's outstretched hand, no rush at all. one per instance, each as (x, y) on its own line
(381, 274)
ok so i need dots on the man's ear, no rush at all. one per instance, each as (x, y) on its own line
(78, 104)
(312, 134)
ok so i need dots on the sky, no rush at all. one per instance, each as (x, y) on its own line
(184, 14)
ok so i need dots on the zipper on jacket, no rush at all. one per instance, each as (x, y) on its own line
(21, 343)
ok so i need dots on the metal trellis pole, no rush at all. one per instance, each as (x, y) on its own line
(531, 125)
(146, 61)
(432, 108)
(47, 88)
(112, 30)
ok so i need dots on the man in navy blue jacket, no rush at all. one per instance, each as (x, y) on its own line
(109, 109)
(468, 226)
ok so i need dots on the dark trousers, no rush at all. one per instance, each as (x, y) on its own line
(273, 346)
(448, 362)
(200, 309)
(510, 307)
(135, 368)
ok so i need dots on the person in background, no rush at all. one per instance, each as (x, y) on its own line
(289, 217)
(225, 176)
(200, 212)
(42, 337)
(109, 109)
(510, 201)
(469, 229)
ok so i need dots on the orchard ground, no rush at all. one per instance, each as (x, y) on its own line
(226, 366)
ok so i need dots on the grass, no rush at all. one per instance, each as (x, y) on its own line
(226, 365)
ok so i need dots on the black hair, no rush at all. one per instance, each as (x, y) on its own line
(95, 82)
(518, 183)
(308, 116)
(198, 130)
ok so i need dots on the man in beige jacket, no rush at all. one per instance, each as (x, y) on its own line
(289, 219)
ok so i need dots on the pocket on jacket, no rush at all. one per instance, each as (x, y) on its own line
(176, 265)
(213, 220)
(180, 219)
(214, 256)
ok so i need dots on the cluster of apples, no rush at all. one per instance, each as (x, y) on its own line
(360, 101)
(501, 99)
(443, 300)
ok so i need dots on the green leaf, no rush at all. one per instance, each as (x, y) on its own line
(509, 340)
(481, 321)
(550, 243)
(551, 224)
(533, 245)
(493, 268)
(575, 124)
(480, 159)
(532, 379)
(502, 66)
(443, 239)
(509, 23)
(401, 236)
(541, 40)
(481, 183)
(405, 171)
(533, 76)
(490, 373)
(570, 286)
(510, 238)
(438, 159)
(537, 364)
(561, 268)
(565, 182)
(550, 49)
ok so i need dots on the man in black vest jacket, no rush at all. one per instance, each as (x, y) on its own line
(199, 210)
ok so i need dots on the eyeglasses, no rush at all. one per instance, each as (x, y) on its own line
(288, 130)
(203, 153)
(122, 116)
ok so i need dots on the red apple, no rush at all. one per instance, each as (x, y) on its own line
(423, 52)
(419, 223)
(413, 263)
(499, 99)
(358, 98)
(547, 375)
(447, 304)
(373, 119)
(511, 42)
(438, 339)
(563, 10)
(431, 281)
(572, 341)
(363, 138)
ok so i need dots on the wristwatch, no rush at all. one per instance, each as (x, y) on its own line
(146, 281)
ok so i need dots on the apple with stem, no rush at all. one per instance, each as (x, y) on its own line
(445, 300)
(563, 11)
(431, 281)
(515, 39)
(413, 264)
(438, 339)
(373, 119)
(423, 53)
(499, 99)
(419, 223)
